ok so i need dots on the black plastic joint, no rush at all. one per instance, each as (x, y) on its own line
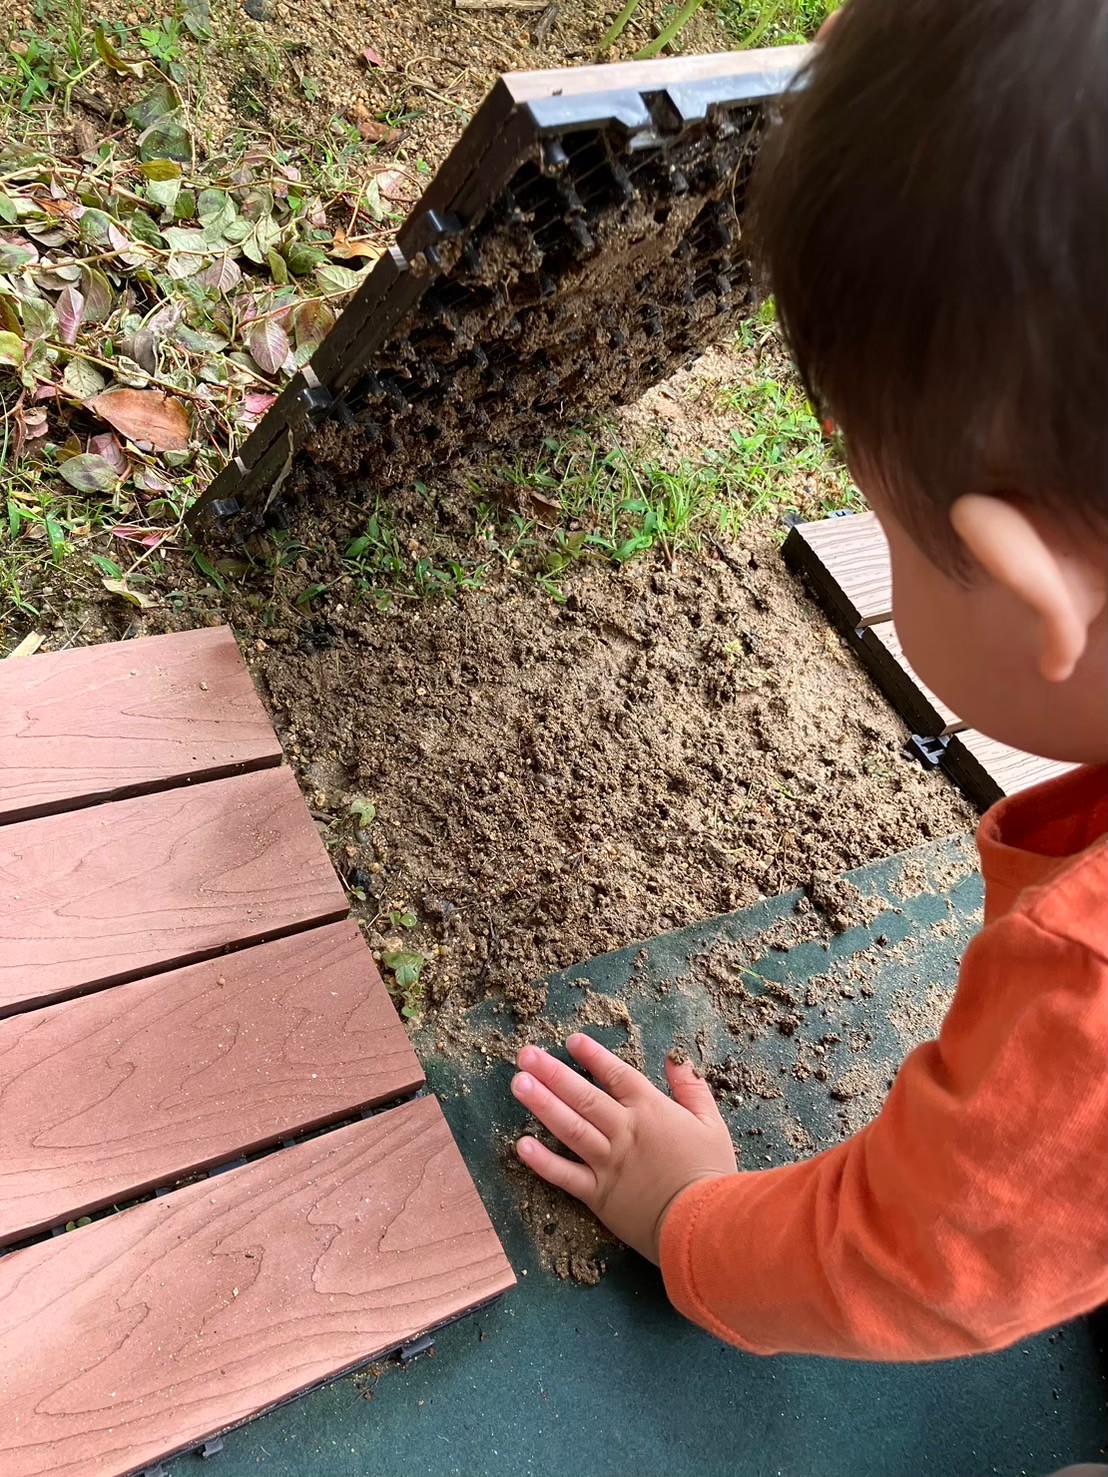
(442, 225)
(315, 399)
(419, 1346)
(554, 156)
(223, 1168)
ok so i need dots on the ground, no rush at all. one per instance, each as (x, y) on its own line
(540, 710)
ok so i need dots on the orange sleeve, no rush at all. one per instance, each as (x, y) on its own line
(970, 1213)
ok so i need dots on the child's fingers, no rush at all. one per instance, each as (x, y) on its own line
(572, 1088)
(691, 1091)
(579, 1135)
(575, 1179)
(623, 1082)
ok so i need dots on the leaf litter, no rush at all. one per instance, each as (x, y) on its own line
(155, 292)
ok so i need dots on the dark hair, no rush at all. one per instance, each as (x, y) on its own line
(931, 212)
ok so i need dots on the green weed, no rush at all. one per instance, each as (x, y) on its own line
(388, 564)
(751, 23)
(406, 986)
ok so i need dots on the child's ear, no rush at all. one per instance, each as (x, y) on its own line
(1064, 587)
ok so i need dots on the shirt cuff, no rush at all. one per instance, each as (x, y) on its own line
(676, 1255)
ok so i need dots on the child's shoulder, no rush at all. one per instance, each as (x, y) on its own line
(1044, 855)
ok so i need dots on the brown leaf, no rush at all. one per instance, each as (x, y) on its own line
(145, 415)
(34, 424)
(372, 58)
(312, 322)
(540, 507)
(85, 136)
(349, 247)
(129, 593)
(376, 132)
(395, 185)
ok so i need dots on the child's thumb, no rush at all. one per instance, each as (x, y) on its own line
(689, 1088)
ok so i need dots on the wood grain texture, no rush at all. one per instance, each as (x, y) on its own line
(107, 1096)
(124, 718)
(106, 894)
(146, 1332)
(987, 771)
(847, 560)
(924, 712)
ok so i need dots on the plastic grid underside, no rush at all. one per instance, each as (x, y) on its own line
(571, 252)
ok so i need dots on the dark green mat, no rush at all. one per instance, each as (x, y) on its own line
(562, 1380)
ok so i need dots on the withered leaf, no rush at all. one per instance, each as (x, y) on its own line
(145, 415)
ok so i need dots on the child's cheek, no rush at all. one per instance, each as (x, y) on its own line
(931, 613)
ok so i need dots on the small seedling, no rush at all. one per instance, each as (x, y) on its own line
(364, 813)
(406, 968)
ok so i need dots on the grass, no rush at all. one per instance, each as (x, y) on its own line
(588, 497)
(752, 23)
(748, 23)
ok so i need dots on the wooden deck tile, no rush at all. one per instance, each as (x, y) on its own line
(847, 560)
(148, 1331)
(880, 649)
(106, 721)
(107, 1096)
(987, 771)
(112, 892)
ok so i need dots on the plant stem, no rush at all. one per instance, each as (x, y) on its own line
(151, 379)
(670, 32)
(615, 30)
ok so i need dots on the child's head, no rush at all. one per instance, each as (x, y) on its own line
(932, 215)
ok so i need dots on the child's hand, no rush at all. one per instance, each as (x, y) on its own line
(639, 1148)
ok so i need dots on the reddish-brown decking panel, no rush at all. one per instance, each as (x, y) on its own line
(115, 891)
(924, 712)
(101, 722)
(987, 771)
(107, 1096)
(847, 560)
(146, 1332)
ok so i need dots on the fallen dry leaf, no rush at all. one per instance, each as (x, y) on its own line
(145, 415)
(372, 58)
(128, 593)
(371, 129)
(349, 247)
(395, 185)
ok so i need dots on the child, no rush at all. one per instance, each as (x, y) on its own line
(931, 215)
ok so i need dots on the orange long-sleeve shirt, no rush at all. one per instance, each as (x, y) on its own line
(974, 1209)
